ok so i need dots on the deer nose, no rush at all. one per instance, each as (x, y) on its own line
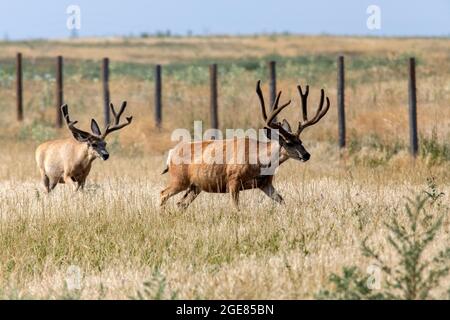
(105, 156)
(306, 157)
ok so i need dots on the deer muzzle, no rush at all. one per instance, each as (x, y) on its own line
(104, 155)
(305, 157)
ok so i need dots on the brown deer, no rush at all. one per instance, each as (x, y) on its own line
(69, 160)
(202, 174)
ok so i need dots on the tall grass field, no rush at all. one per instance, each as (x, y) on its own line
(113, 241)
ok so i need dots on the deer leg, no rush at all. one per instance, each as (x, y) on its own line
(169, 192)
(182, 203)
(188, 197)
(233, 187)
(82, 180)
(46, 182)
(270, 191)
(80, 185)
(69, 181)
(185, 195)
(52, 184)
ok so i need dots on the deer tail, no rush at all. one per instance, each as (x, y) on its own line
(166, 169)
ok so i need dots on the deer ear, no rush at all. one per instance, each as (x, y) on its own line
(286, 126)
(95, 128)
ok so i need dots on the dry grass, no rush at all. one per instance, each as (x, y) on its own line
(175, 49)
(118, 236)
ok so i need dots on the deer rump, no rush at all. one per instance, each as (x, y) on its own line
(210, 165)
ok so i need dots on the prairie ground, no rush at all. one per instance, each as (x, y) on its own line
(121, 243)
(118, 237)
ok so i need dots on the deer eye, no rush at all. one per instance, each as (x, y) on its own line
(94, 145)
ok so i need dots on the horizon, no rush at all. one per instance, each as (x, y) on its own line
(250, 35)
(140, 18)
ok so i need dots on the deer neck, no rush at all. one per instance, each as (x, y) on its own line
(87, 155)
(283, 156)
(278, 153)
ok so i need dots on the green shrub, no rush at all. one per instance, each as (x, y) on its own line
(155, 289)
(351, 285)
(414, 277)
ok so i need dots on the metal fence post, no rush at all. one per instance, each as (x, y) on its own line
(213, 95)
(106, 97)
(59, 90)
(414, 146)
(272, 82)
(341, 101)
(19, 87)
(158, 96)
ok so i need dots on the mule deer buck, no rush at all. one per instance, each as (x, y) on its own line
(229, 176)
(69, 160)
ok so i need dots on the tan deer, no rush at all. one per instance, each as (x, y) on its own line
(69, 160)
(202, 173)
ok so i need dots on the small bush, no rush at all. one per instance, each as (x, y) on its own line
(414, 277)
(156, 289)
(432, 192)
(352, 285)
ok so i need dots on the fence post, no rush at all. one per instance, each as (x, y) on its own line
(59, 90)
(272, 83)
(19, 96)
(214, 104)
(341, 101)
(158, 96)
(106, 97)
(414, 146)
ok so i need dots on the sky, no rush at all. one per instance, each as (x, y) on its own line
(20, 19)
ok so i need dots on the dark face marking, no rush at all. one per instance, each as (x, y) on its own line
(292, 144)
(99, 146)
(295, 149)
